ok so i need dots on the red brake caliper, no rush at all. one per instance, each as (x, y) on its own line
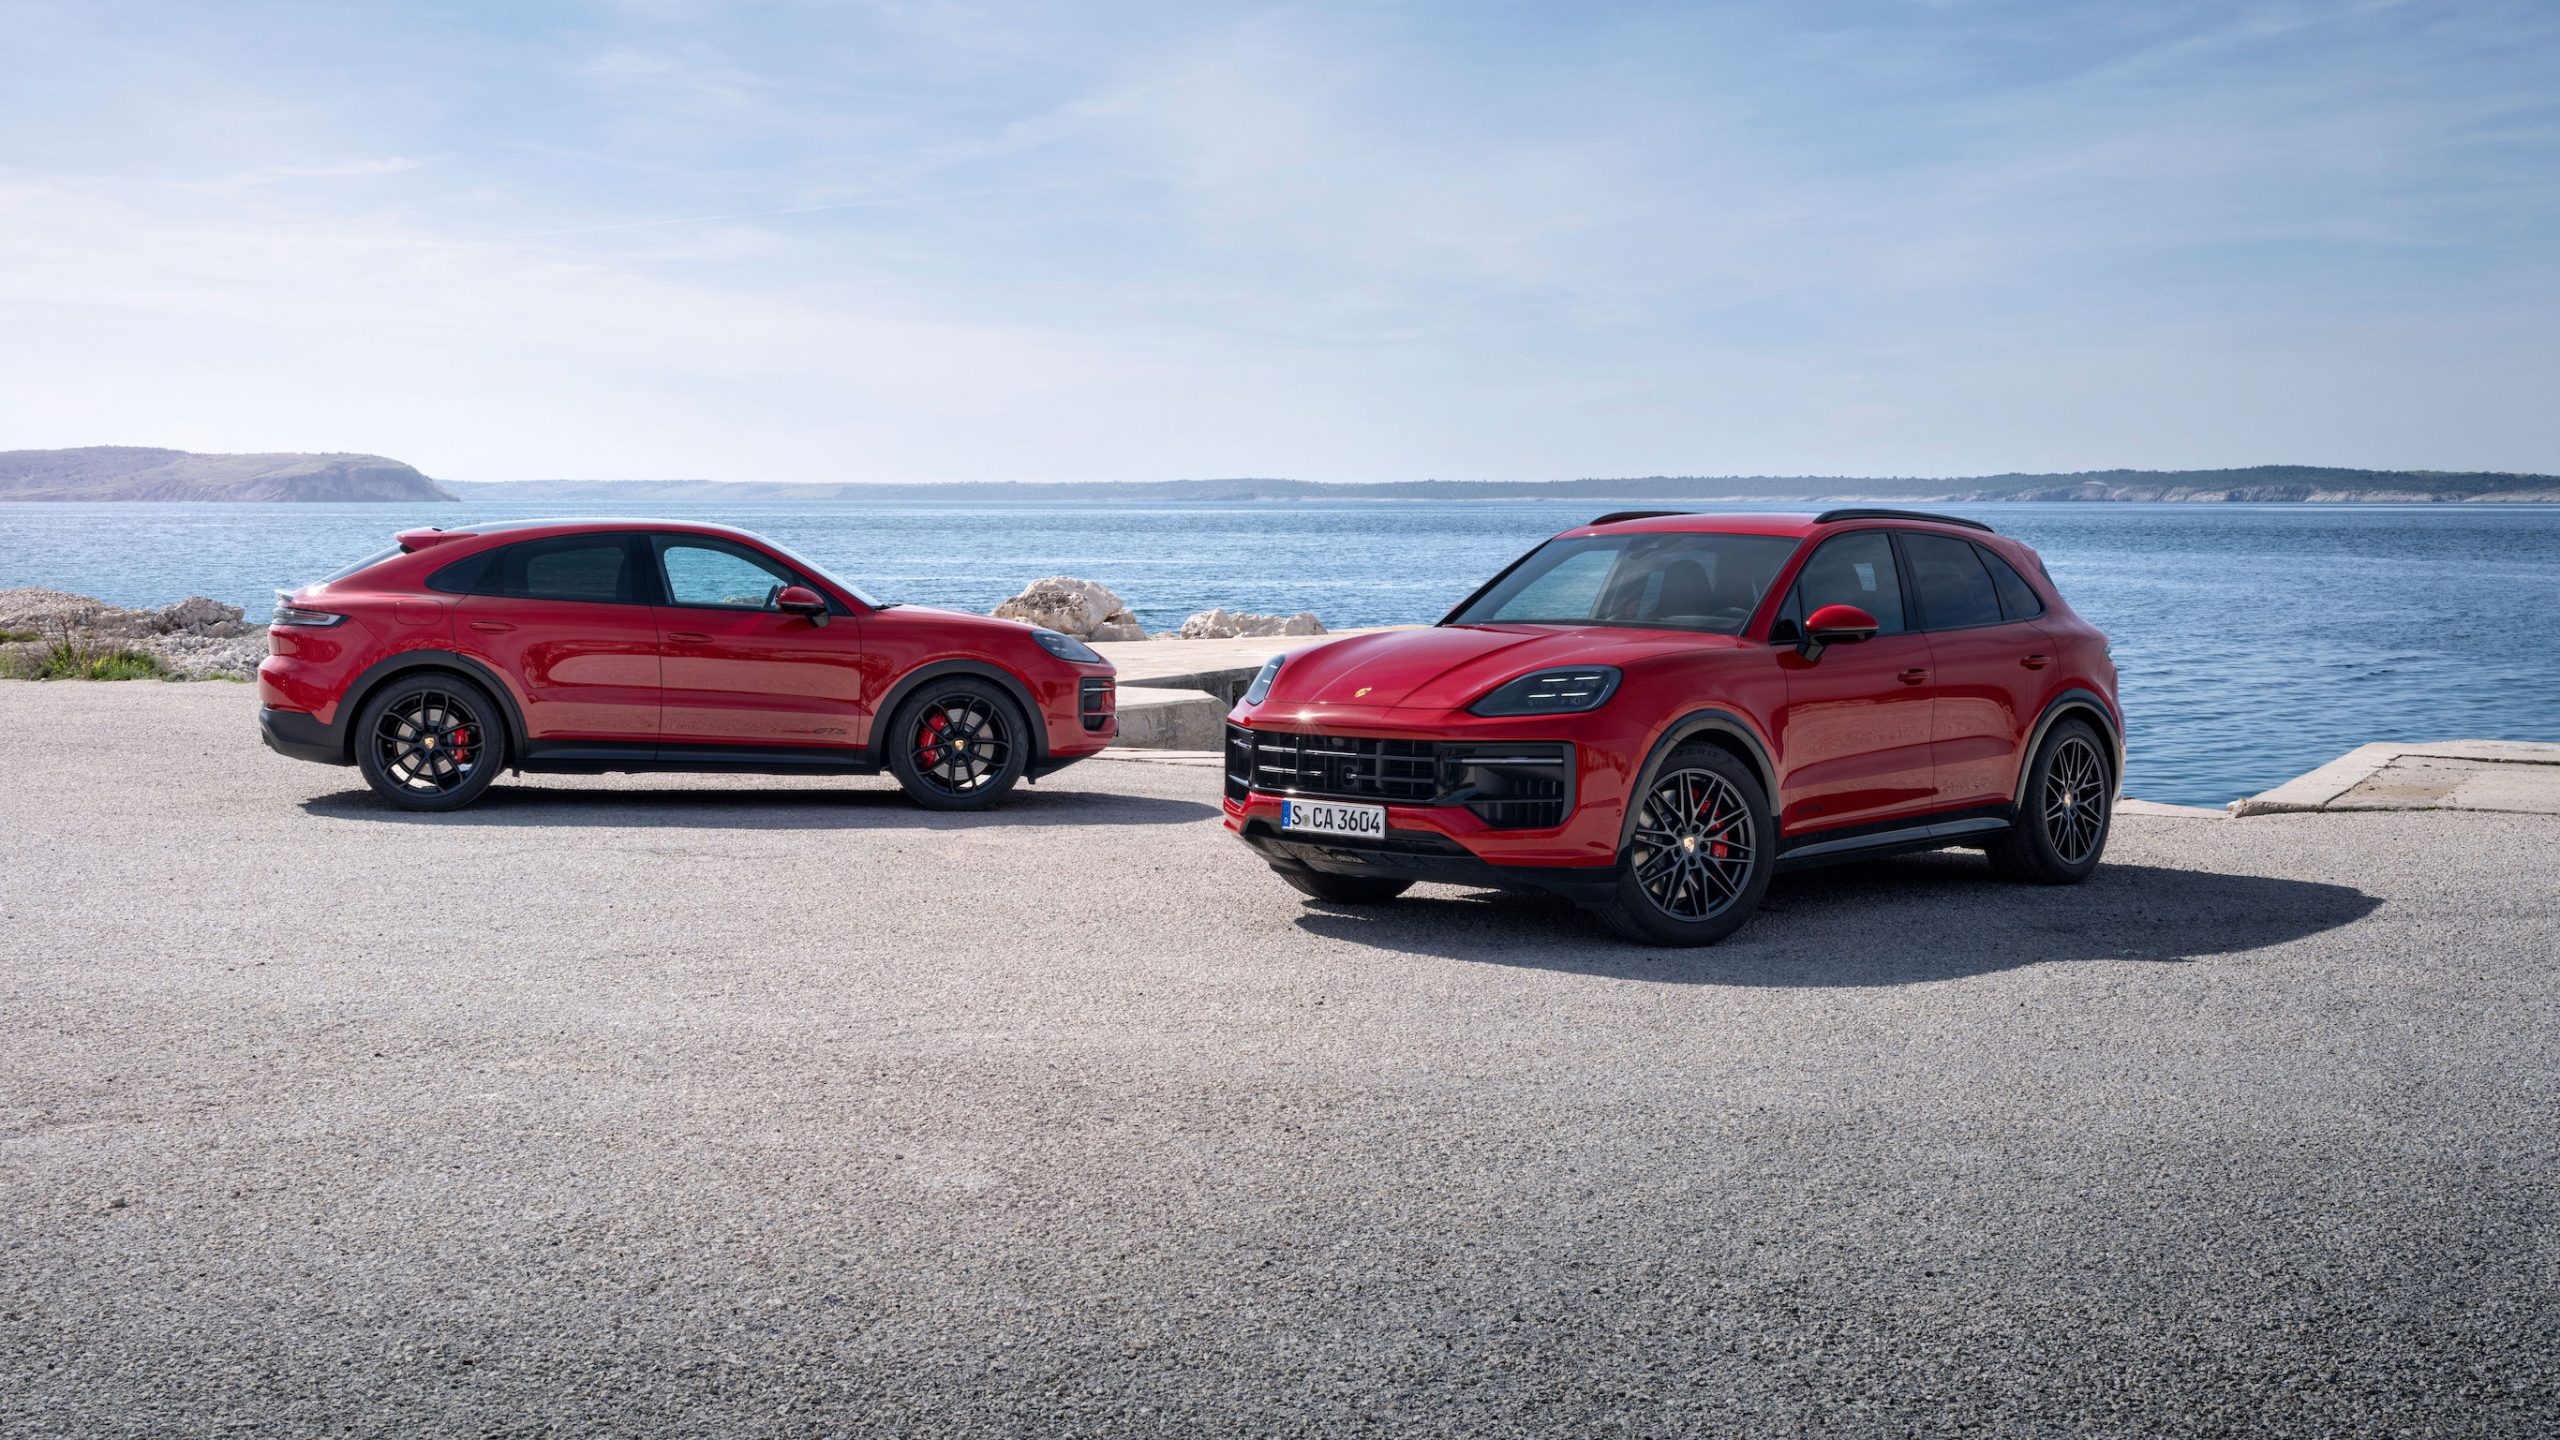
(931, 735)
(1715, 848)
(461, 744)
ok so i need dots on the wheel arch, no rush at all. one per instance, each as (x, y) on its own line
(410, 662)
(1721, 728)
(987, 670)
(2073, 704)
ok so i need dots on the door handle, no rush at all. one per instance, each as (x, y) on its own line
(2036, 662)
(689, 637)
(1912, 676)
(491, 627)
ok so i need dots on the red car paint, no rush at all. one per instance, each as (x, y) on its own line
(594, 686)
(1865, 746)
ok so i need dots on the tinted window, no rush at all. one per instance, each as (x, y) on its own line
(2018, 600)
(1672, 581)
(704, 574)
(1854, 569)
(1954, 590)
(572, 567)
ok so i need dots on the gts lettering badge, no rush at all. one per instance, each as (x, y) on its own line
(822, 730)
(1363, 690)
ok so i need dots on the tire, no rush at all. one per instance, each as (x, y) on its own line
(430, 742)
(1342, 889)
(959, 744)
(1699, 856)
(2054, 840)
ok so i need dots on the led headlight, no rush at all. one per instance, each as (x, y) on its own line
(1260, 689)
(1065, 647)
(1564, 691)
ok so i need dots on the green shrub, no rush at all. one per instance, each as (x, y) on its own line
(86, 657)
(13, 637)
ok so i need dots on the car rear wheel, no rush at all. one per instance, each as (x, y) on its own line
(1698, 860)
(959, 744)
(2063, 818)
(1342, 889)
(433, 742)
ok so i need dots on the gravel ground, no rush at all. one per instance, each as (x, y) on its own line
(682, 1106)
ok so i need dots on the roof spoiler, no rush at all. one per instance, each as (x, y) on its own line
(413, 541)
(1614, 516)
(1827, 516)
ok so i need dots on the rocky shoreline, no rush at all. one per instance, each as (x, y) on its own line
(204, 639)
(196, 639)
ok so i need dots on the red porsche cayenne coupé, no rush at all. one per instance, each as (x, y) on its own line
(594, 645)
(1652, 712)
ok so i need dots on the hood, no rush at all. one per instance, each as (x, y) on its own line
(1448, 666)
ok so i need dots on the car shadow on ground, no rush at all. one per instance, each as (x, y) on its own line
(1891, 922)
(764, 808)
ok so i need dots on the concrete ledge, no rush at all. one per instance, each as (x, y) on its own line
(1154, 719)
(2515, 776)
(1220, 667)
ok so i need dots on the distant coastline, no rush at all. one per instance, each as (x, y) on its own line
(134, 473)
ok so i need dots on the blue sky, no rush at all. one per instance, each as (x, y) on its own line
(919, 241)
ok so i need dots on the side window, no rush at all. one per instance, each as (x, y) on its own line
(2018, 599)
(594, 568)
(1854, 569)
(705, 574)
(1954, 590)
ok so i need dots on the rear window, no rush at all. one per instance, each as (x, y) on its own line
(364, 564)
(1675, 581)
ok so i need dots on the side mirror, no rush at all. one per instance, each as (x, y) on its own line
(1835, 625)
(801, 600)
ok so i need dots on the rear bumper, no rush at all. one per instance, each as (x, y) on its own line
(299, 735)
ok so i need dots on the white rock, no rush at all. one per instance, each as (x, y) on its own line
(200, 615)
(1082, 608)
(1237, 624)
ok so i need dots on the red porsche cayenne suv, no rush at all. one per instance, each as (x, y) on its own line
(1653, 712)
(592, 645)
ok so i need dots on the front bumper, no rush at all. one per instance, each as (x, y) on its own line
(1454, 817)
(299, 735)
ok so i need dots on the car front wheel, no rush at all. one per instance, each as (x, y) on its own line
(1698, 859)
(960, 744)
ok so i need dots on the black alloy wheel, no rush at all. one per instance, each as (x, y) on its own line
(1698, 858)
(2064, 811)
(434, 742)
(959, 745)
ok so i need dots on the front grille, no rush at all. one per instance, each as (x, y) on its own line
(1358, 767)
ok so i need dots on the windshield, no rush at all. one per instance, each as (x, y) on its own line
(1675, 581)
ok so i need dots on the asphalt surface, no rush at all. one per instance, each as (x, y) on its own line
(663, 1105)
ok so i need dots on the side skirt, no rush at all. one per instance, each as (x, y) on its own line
(594, 757)
(1868, 842)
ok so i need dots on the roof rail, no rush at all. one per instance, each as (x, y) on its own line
(1827, 516)
(1614, 516)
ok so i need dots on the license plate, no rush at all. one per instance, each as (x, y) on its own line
(1325, 817)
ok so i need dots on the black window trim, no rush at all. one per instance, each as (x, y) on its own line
(659, 540)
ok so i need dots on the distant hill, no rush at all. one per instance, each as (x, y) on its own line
(2255, 483)
(130, 472)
